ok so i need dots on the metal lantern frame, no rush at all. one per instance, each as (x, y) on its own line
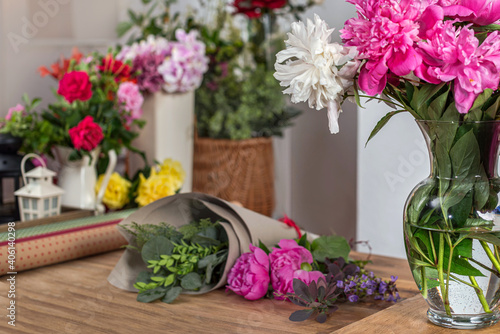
(39, 198)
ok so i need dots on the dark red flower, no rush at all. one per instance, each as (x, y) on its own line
(86, 135)
(75, 85)
(254, 8)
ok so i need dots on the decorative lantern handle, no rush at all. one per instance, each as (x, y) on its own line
(30, 155)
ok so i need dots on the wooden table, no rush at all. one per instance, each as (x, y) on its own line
(75, 297)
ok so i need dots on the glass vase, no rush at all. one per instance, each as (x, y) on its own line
(452, 226)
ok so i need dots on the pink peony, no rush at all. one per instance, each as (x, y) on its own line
(385, 34)
(249, 277)
(480, 12)
(131, 100)
(18, 108)
(86, 135)
(285, 261)
(454, 54)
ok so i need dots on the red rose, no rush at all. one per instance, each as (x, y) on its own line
(87, 134)
(75, 86)
(120, 70)
(253, 8)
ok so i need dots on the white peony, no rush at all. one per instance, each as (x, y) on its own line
(309, 67)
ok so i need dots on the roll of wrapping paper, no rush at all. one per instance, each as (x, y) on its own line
(51, 243)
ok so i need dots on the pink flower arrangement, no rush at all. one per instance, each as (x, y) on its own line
(175, 66)
(392, 43)
(253, 272)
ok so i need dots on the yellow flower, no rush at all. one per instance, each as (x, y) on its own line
(116, 194)
(156, 186)
(174, 169)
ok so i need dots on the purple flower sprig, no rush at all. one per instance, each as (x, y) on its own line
(345, 282)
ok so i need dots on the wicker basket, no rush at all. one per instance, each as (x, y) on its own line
(236, 170)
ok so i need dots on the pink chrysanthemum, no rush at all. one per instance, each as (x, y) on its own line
(385, 33)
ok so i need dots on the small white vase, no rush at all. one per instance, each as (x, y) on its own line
(168, 133)
(78, 179)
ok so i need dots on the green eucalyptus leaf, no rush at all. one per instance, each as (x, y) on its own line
(191, 281)
(151, 295)
(155, 248)
(172, 294)
(203, 263)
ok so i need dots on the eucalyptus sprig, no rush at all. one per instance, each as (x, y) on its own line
(189, 258)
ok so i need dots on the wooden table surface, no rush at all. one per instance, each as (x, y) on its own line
(75, 297)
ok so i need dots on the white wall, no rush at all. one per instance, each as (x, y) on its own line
(390, 166)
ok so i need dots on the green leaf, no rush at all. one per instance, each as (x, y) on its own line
(203, 263)
(491, 112)
(383, 121)
(490, 238)
(191, 281)
(418, 202)
(264, 247)
(437, 107)
(481, 99)
(464, 154)
(451, 114)
(172, 294)
(123, 27)
(464, 248)
(481, 190)
(330, 247)
(458, 191)
(460, 212)
(443, 165)
(422, 96)
(151, 295)
(157, 279)
(144, 277)
(169, 280)
(462, 267)
(155, 248)
(423, 236)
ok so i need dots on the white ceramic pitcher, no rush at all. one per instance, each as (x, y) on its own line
(78, 179)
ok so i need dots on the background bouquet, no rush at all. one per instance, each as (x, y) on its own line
(175, 66)
(98, 104)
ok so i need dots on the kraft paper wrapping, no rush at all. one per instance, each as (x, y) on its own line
(241, 225)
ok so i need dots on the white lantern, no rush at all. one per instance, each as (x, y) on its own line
(39, 198)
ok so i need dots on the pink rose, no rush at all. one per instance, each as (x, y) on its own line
(75, 85)
(86, 135)
(284, 262)
(131, 100)
(17, 108)
(249, 276)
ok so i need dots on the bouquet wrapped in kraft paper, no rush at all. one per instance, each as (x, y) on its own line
(242, 226)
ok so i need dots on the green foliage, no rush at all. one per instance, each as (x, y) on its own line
(234, 108)
(330, 247)
(189, 258)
